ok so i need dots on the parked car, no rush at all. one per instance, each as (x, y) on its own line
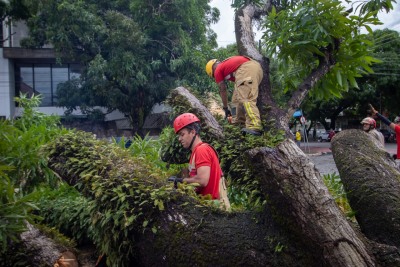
(323, 137)
(388, 135)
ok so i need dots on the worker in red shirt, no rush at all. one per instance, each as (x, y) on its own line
(247, 75)
(204, 167)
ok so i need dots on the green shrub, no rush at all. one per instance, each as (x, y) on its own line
(20, 143)
(15, 209)
(23, 168)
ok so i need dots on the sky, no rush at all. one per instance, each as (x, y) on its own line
(225, 28)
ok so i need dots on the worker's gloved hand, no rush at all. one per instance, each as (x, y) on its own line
(227, 112)
(175, 179)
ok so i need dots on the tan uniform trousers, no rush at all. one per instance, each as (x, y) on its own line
(247, 79)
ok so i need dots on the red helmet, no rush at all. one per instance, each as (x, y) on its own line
(184, 120)
(370, 121)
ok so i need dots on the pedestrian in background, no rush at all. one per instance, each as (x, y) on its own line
(298, 138)
(331, 134)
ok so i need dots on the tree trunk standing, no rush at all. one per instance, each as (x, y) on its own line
(268, 107)
(300, 200)
(372, 183)
(246, 46)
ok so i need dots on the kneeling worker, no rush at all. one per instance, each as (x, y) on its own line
(204, 167)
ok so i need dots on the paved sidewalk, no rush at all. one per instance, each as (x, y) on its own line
(315, 150)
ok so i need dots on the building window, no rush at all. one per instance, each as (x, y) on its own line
(43, 79)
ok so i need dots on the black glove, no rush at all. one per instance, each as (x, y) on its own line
(176, 180)
(227, 113)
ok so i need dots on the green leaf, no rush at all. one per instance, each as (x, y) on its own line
(339, 77)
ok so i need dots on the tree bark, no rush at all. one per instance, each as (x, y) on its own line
(44, 251)
(372, 182)
(181, 94)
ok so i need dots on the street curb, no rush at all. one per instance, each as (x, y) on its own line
(318, 154)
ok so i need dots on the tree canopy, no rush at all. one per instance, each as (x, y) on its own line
(133, 52)
(378, 87)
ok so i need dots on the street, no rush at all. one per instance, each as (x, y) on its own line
(322, 157)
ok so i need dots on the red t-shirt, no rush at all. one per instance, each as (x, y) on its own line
(397, 130)
(206, 156)
(225, 69)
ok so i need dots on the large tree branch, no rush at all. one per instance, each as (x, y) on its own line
(325, 64)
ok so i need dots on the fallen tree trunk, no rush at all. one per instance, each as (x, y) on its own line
(372, 183)
(184, 232)
(37, 249)
(301, 201)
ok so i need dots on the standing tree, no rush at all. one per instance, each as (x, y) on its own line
(132, 52)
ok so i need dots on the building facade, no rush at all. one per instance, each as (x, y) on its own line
(30, 71)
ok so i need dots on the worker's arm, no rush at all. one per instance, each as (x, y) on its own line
(202, 176)
(223, 93)
(382, 118)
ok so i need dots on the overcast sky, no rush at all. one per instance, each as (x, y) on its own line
(225, 28)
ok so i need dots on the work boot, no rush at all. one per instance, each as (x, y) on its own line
(250, 131)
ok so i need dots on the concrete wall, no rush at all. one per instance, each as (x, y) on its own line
(14, 33)
(7, 89)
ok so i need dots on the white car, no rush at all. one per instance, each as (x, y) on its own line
(323, 137)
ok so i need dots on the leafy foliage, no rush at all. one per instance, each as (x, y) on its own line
(23, 168)
(381, 86)
(16, 9)
(68, 211)
(301, 36)
(133, 52)
(385, 78)
(20, 144)
(243, 184)
(335, 187)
